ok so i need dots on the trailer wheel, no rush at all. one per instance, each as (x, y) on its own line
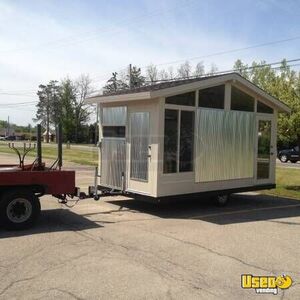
(222, 200)
(19, 209)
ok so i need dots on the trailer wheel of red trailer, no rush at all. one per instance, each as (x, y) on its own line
(19, 209)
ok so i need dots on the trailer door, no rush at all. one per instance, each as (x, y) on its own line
(113, 147)
(139, 152)
(265, 150)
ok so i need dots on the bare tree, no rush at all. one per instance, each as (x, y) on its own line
(184, 70)
(83, 86)
(152, 73)
(81, 110)
(199, 69)
(213, 69)
(171, 72)
(163, 74)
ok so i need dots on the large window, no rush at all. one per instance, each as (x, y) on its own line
(186, 141)
(212, 97)
(179, 141)
(187, 99)
(171, 141)
(241, 101)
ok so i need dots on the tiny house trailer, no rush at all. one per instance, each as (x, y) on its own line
(213, 135)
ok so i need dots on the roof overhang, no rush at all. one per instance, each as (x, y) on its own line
(232, 77)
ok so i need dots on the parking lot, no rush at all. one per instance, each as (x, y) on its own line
(118, 248)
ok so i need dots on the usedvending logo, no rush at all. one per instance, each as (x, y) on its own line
(266, 284)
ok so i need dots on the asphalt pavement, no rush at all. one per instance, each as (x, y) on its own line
(118, 248)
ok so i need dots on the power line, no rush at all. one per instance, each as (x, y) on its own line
(233, 70)
(18, 103)
(222, 52)
(18, 95)
(229, 51)
(226, 72)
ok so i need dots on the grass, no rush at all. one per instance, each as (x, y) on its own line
(287, 183)
(84, 156)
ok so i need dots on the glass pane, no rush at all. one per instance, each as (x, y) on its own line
(263, 170)
(212, 97)
(187, 99)
(170, 141)
(241, 101)
(263, 150)
(263, 108)
(186, 141)
(114, 131)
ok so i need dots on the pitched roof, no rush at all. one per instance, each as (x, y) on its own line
(158, 86)
(166, 88)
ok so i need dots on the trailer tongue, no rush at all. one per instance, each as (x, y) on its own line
(22, 185)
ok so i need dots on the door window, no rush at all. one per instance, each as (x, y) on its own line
(263, 149)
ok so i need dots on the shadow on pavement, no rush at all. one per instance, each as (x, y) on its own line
(54, 220)
(241, 208)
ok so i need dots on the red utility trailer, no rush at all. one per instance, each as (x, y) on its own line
(22, 185)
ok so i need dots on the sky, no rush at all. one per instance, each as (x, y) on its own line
(55, 39)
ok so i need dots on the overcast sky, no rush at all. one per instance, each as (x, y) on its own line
(44, 40)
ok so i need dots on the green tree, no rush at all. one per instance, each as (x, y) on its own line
(135, 77)
(284, 84)
(67, 114)
(114, 84)
(48, 105)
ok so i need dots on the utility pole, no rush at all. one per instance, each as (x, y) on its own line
(97, 124)
(130, 76)
(7, 128)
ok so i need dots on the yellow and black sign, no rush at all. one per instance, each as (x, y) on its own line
(266, 284)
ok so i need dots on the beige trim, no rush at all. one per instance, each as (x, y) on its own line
(227, 98)
(118, 98)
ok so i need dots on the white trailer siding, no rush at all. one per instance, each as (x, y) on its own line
(238, 136)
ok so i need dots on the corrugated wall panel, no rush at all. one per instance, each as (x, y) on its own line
(139, 140)
(113, 162)
(225, 145)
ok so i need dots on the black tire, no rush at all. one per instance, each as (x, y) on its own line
(294, 161)
(283, 158)
(222, 200)
(19, 209)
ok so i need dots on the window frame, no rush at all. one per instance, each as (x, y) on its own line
(180, 108)
(227, 107)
